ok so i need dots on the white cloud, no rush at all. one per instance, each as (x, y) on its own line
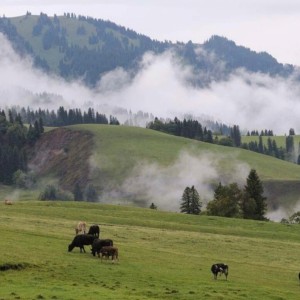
(252, 101)
(164, 185)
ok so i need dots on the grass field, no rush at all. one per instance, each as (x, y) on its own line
(280, 140)
(118, 148)
(161, 255)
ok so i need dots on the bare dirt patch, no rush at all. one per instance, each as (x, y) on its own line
(63, 153)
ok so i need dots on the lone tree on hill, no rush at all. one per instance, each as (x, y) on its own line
(254, 203)
(190, 201)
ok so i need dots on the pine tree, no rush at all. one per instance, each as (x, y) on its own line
(254, 203)
(78, 195)
(190, 201)
(185, 206)
(90, 193)
(195, 201)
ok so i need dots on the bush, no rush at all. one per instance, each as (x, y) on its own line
(53, 193)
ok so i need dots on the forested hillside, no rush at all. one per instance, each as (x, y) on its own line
(82, 47)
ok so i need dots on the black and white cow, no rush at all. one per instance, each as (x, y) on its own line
(219, 268)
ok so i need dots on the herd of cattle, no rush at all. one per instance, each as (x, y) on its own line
(103, 248)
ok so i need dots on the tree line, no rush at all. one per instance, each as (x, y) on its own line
(14, 138)
(228, 136)
(230, 200)
(187, 128)
(63, 117)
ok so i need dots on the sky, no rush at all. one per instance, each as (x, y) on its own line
(262, 25)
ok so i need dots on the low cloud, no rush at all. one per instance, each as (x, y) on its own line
(160, 87)
(164, 185)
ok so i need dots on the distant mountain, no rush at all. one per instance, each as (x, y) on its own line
(82, 47)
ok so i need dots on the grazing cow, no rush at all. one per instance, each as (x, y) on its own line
(80, 240)
(98, 244)
(108, 251)
(80, 228)
(219, 268)
(94, 230)
(8, 202)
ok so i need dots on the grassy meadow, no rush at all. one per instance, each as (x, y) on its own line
(161, 255)
(119, 148)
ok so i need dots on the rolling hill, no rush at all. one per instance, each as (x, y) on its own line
(141, 166)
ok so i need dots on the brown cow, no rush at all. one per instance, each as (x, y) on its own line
(7, 202)
(108, 251)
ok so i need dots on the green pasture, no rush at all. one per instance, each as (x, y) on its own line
(280, 140)
(119, 148)
(161, 255)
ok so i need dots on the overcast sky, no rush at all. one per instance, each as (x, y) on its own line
(262, 25)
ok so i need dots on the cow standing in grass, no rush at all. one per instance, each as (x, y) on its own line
(80, 228)
(219, 268)
(94, 230)
(80, 241)
(98, 244)
(108, 251)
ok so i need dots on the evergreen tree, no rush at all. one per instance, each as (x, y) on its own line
(195, 201)
(254, 203)
(78, 195)
(90, 193)
(289, 144)
(260, 145)
(190, 201)
(235, 135)
(153, 206)
(185, 206)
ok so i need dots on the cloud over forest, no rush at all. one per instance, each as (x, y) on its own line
(253, 101)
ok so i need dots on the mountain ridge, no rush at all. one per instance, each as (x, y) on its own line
(82, 47)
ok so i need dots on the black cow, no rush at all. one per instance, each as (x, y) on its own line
(219, 268)
(98, 244)
(81, 240)
(94, 230)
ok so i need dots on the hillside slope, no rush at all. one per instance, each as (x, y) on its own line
(143, 166)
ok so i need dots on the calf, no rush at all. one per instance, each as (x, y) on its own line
(108, 251)
(81, 240)
(98, 244)
(219, 268)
